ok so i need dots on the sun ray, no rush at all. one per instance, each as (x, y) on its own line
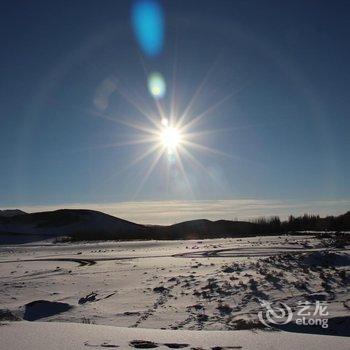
(173, 111)
(195, 161)
(140, 141)
(190, 135)
(160, 109)
(214, 151)
(141, 109)
(183, 172)
(201, 167)
(144, 155)
(148, 172)
(124, 122)
(209, 149)
(211, 108)
(198, 92)
(167, 177)
(131, 164)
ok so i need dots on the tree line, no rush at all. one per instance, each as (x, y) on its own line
(306, 222)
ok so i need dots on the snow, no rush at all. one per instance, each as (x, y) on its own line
(204, 293)
(61, 336)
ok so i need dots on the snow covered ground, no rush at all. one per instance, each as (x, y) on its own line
(64, 336)
(213, 286)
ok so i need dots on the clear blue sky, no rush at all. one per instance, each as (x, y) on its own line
(284, 132)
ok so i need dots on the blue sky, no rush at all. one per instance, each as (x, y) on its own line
(281, 135)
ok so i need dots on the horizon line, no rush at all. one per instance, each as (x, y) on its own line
(165, 212)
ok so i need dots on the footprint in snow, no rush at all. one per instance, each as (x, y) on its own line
(143, 344)
(103, 345)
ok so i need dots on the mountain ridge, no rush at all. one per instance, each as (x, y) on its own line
(86, 224)
(11, 212)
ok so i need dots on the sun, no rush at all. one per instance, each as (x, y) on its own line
(170, 138)
(167, 134)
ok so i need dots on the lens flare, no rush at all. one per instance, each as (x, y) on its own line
(156, 85)
(148, 24)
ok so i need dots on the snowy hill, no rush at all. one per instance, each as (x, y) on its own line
(70, 222)
(11, 212)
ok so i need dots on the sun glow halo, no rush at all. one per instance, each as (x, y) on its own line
(170, 138)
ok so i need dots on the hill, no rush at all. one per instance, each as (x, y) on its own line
(194, 229)
(81, 224)
(11, 212)
(84, 224)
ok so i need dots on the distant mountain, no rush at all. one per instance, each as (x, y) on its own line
(11, 212)
(72, 222)
(207, 229)
(90, 224)
(82, 224)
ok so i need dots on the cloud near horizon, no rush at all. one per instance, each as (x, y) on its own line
(169, 212)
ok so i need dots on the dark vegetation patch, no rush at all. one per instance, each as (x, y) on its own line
(175, 345)
(143, 344)
(8, 315)
(88, 298)
(38, 309)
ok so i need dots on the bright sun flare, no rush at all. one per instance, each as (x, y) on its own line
(170, 138)
(169, 134)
